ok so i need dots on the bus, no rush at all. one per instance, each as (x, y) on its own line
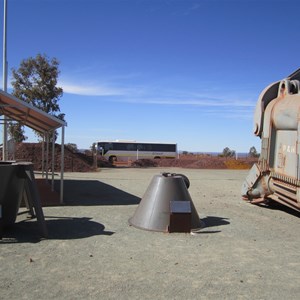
(133, 150)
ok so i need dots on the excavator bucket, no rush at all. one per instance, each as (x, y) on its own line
(276, 176)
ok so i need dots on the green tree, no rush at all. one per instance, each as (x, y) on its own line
(227, 152)
(35, 82)
(16, 131)
(253, 152)
(73, 147)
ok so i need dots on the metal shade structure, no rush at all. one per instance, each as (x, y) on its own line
(15, 109)
(27, 114)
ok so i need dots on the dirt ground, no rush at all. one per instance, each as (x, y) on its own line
(243, 252)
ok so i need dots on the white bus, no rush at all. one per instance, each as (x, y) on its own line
(132, 150)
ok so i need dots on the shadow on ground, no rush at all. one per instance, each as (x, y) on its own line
(68, 228)
(212, 221)
(273, 205)
(94, 192)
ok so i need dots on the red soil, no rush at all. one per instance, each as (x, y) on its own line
(79, 162)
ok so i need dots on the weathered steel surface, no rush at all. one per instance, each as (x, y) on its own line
(276, 122)
(17, 183)
(162, 205)
(11, 192)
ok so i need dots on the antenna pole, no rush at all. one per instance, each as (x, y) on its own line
(4, 146)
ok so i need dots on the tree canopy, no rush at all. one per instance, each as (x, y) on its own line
(253, 152)
(35, 81)
(227, 152)
(16, 131)
(73, 147)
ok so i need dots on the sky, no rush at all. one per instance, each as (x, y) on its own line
(182, 71)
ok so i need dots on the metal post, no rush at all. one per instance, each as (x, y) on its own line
(43, 156)
(53, 157)
(47, 155)
(4, 147)
(62, 165)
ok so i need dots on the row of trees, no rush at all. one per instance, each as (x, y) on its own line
(35, 82)
(227, 152)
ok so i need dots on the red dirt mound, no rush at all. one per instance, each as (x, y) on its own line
(198, 162)
(79, 162)
(73, 162)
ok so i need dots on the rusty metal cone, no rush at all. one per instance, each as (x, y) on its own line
(153, 212)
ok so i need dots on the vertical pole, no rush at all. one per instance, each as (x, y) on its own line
(43, 155)
(62, 165)
(47, 154)
(53, 157)
(4, 147)
(95, 155)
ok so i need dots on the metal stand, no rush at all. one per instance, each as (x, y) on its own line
(33, 201)
(17, 183)
(1, 223)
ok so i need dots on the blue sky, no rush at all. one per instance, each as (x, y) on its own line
(185, 71)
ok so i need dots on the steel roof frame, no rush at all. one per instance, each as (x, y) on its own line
(36, 119)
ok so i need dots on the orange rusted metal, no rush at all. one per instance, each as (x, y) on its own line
(276, 175)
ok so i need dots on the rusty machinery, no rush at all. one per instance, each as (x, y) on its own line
(276, 175)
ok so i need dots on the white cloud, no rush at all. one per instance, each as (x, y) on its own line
(91, 90)
(193, 102)
(155, 95)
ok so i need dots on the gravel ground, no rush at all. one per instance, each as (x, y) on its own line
(243, 252)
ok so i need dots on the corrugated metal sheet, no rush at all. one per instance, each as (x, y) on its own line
(27, 114)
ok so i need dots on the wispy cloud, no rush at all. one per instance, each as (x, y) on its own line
(194, 7)
(97, 89)
(154, 94)
(208, 102)
(234, 113)
(86, 90)
(142, 97)
(85, 84)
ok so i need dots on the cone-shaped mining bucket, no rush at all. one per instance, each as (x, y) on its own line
(155, 209)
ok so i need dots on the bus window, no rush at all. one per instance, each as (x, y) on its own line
(130, 147)
(148, 147)
(108, 146)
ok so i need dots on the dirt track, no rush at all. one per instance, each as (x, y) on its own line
(244, 252)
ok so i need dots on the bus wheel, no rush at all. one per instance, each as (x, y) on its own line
(156, 157)
(112, 159)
